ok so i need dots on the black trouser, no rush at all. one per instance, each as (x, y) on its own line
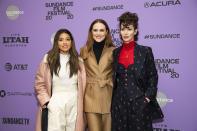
(130, 115)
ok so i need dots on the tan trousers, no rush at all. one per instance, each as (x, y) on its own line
(98, 122)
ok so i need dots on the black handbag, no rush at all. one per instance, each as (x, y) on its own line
(44, 119)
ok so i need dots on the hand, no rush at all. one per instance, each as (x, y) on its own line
(45, 105)
(148, 100)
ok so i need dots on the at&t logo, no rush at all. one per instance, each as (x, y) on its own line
(8, 66)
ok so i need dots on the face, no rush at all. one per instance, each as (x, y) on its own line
(127, 33)
(64, 43)
(99, 32)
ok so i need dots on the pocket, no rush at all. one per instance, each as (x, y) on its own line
(89, 93)
(139, 104)
(50, 101)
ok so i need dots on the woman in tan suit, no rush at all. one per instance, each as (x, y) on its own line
(98, 61)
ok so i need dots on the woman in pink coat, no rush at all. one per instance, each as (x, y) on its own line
(59, 86)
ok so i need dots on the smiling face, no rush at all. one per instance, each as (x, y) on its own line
(99, 32)
(127, 33)
(64, 43)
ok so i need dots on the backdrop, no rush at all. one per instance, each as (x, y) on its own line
(27, 29)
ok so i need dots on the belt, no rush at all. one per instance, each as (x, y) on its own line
(101, 82)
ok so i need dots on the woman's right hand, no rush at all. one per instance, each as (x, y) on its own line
(45, 105)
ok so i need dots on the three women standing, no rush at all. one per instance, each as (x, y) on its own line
(98, 61)
(133, 105)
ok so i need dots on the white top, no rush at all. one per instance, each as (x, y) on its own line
(63, 81)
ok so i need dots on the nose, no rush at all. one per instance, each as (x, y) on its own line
(64, 42)
(125, 32)
(97, 33)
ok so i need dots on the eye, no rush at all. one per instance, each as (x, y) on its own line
(102, 30)
(122, 29)
(95, 30)
(60, 39)
(68, 39)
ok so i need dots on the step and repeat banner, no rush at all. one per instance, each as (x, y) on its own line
(27, 29)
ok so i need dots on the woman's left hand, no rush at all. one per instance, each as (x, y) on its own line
(148, 100)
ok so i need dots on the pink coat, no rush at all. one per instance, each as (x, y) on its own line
(42, 88)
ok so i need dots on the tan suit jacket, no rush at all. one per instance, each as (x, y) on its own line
(42, 86)
(98, 92)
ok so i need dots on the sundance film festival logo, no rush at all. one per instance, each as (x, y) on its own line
(164, 66)
(59, 8)
(115, 33)
(18, 67)
(15, 121)
(162, 3)
(162, 36)
(13, 12)
(15, 40)
(108, 7)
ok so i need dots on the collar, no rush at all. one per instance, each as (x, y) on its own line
(99, 44)
(128, 45)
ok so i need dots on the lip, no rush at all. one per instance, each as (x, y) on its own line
(98, 37)
(65, 46)
(126, 37)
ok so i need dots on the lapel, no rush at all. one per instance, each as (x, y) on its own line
(116, 53)
(102, 58)
(116, 56)
(139, 59)
(102, 55)
(93, 57)
(136, 65)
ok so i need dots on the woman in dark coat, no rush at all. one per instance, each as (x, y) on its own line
(134, 104)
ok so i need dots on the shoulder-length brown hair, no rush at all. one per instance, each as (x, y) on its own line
(90, 41)
(54, 55)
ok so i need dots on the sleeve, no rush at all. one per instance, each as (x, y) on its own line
(40, 85)
(83, 52)
(83, 74)
(114, 68)
(151, 76)
(81, 121)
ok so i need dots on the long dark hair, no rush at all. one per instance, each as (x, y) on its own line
(54, 55)
(90, 41)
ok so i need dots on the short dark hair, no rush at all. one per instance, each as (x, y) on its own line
(127, 19)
